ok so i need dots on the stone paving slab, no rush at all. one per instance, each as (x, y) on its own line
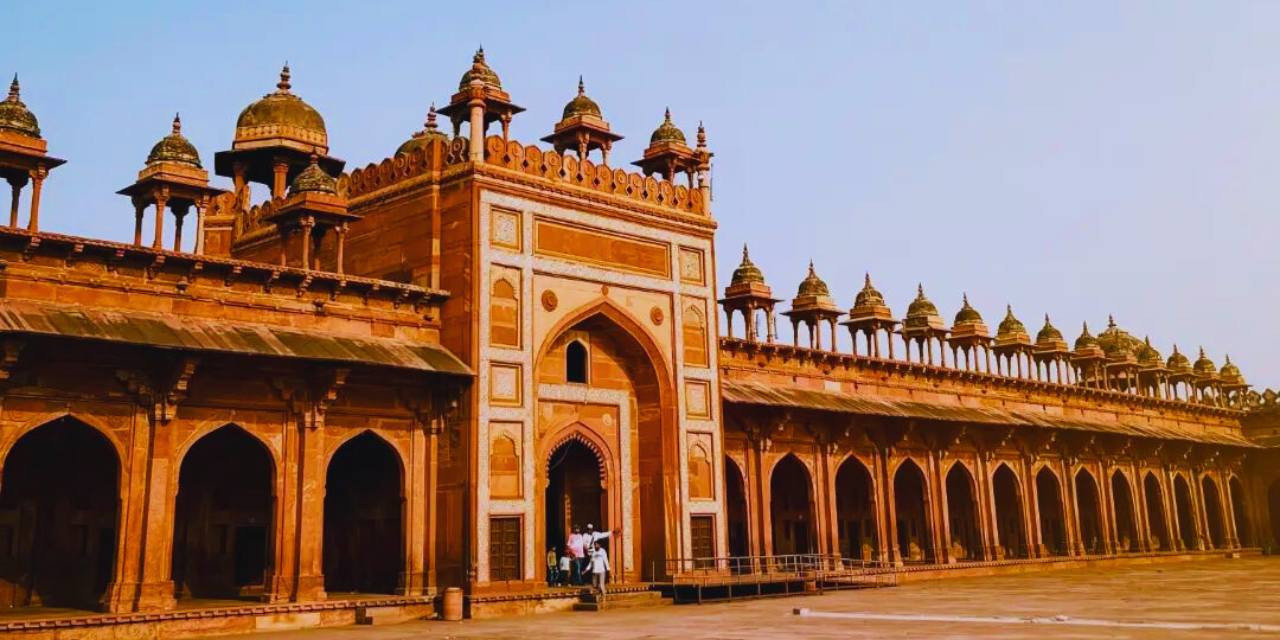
(1174, 601)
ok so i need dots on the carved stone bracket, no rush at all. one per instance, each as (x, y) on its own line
(12, 349)
(162, 389)
(324, 393)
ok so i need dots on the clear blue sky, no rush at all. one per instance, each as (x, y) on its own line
(1077, 158)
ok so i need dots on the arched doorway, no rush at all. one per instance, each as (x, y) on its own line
(1053, 527)
(1240, 512)
(962, 514)
(735, 497)
(1089, 508)
(363, 501)
(791, 508)
(222, 530)
(914, 535)
(1213, 513)
(1156, 521)
(575, 493)
(1186, 519)
(1009, 513)
(58, 507)
(855, 516)
(1126, 523)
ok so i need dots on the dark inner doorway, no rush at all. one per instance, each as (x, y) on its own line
(1053, 529)
(575, 494)
(362, 520)
(1009, 513)
(962, 515)
(790, 508)
(914, 535)
(1126, 530)
(1155, 515)
(857, 520)
(1090, 509)
(736, 505)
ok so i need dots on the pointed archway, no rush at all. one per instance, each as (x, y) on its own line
(791, 508)
(1089, 511)
(1009, 524)
(363, 516)
(59, 502)
(1217, 531)
(914, 531)
(1053, 525)
(1126, 516)
(1240, 512)
(1157, 523)
(855, 515)
(962, 514)
(1186, 517)
(222, 532)
(576, 495)
(735, 498)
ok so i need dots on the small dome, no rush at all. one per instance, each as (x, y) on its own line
(1178, 362)
(921, 306)
(15, 116)
(1048, 333)
(283, 109)
(747, 272)
(421, 138)
(812, 285)
(313, 179)
(581, 105)
(869, 296)
(1230, 373)
(175, 148)
(1204, 366)
(479, 71)
(1148, 356)
(667, 132)
(1010, 325)
(1086, 339)
(967, 314)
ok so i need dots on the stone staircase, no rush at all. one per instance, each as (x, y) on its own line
(623, 599)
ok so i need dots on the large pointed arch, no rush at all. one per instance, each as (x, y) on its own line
(736, 511)
(962, 513)
(913, 525)
(1216, 528)
(791, 507)
(1157, 520)
(1091, 527)
(1125, 514)
(364, 516)
(1010, 526)
(1053, 517)
(1240, 511)
(1185, 510)
(855, 510)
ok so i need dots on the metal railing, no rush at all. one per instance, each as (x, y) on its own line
(731, 577)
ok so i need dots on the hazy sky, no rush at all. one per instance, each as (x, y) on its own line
(1076, 158)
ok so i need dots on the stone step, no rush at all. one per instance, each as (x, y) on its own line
(385, 615)
(593, 602)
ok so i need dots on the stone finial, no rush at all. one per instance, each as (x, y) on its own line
(431, 118)
(582, 87)
(177, 124)
(1111, 321)
(15, 90)
(702, 136)
(284, 85)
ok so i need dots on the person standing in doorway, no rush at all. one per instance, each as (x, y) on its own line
(599, 568)
(553, 567)
(566, 567)
(577, 548)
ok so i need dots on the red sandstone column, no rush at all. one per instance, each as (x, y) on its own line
(830, 519)
(986, 500)
(941, 511)
(162, 196)
(415, 521)
(15, 186)
(1032, 507)
(891, 513)
(37, 181)
(878, 508)
(1229, 505)
(279, 582)
(310, 519)
(122, 594)
(155, 540)
(1072, 510)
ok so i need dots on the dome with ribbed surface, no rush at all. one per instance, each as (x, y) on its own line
(175, 148)
(313, 179)
(1204, 366)
(1178, 362)
(869, 296)
(812, 285)
(1048, 333)
(1148, 356)
(479, 71)
(921, 306)
(1230, 373)
(967, 315)
(422, 138)
(747, 272)
(1086, 339)
(581, 105)
(282, 109)
(15, 116)
(1117, 342)
(667, 132)
(1010, 325)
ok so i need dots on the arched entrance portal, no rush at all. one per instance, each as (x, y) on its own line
(735, 497)
(1009, 513)
(962, 515)
(914, 535)
(1213, 513)
(223, 517)
(1089, 508)
(362, 518)
(1053, 528)
(58, 505)
(791, 508)
(1186, 522)
(854, 513)
(1126, 527)
(1156, 521)
(1240, 512)
(575, 494)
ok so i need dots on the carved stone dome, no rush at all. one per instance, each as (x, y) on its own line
(284, 110)
(869, 296)
(1118, 342)
(1204, 366)
(747, 272)
(313, 179)
(1010, 325)
(667, 132)
(420, 139)
(1148, 356)
(921, 306)
(175, 148)
(479, 71)
(581, 105)
(1086, 339)
(1177, 361)
(967, 315)
(15, 116)
(1230, 373)
(812, 285)
(1048, 333)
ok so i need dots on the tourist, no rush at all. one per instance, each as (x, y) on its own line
(592, 536)
(578, 550)
(599, 567)
(553, 568)
(566, 567)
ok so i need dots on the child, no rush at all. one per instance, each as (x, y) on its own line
(566, 567)
(553, 568)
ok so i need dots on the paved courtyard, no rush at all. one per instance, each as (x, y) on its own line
(1211, 599)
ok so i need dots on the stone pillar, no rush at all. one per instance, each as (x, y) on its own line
(16, 183)
(310, 494)
(891, 513)
(37, 182)
(161, 197)
(941, 515)
(341, 231)
(879, 498)
(159, 466)
(201, 206)
(139, 210)
(829, 516)
(1035, 541)
(986, 500)
(280, 582)
(415, 524)
(477, 123)
(180, 211)
(122, 594)
(280, 178)
(1071, 510)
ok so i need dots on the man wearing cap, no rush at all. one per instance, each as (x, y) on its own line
(590, 539)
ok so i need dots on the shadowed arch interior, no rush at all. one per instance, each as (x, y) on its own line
(1186, 522)
(363, 515)
(914, 533)
(1126, 523)
(1053, 522)
(58, 517)
(791, 507)
(1240, 512)
(1089, 509)
(735, 497)
(962, 514)
(223, 517)
(1217, 533)
(574, 494)
(1009, 513)
(1157, 523)
(854, 511)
